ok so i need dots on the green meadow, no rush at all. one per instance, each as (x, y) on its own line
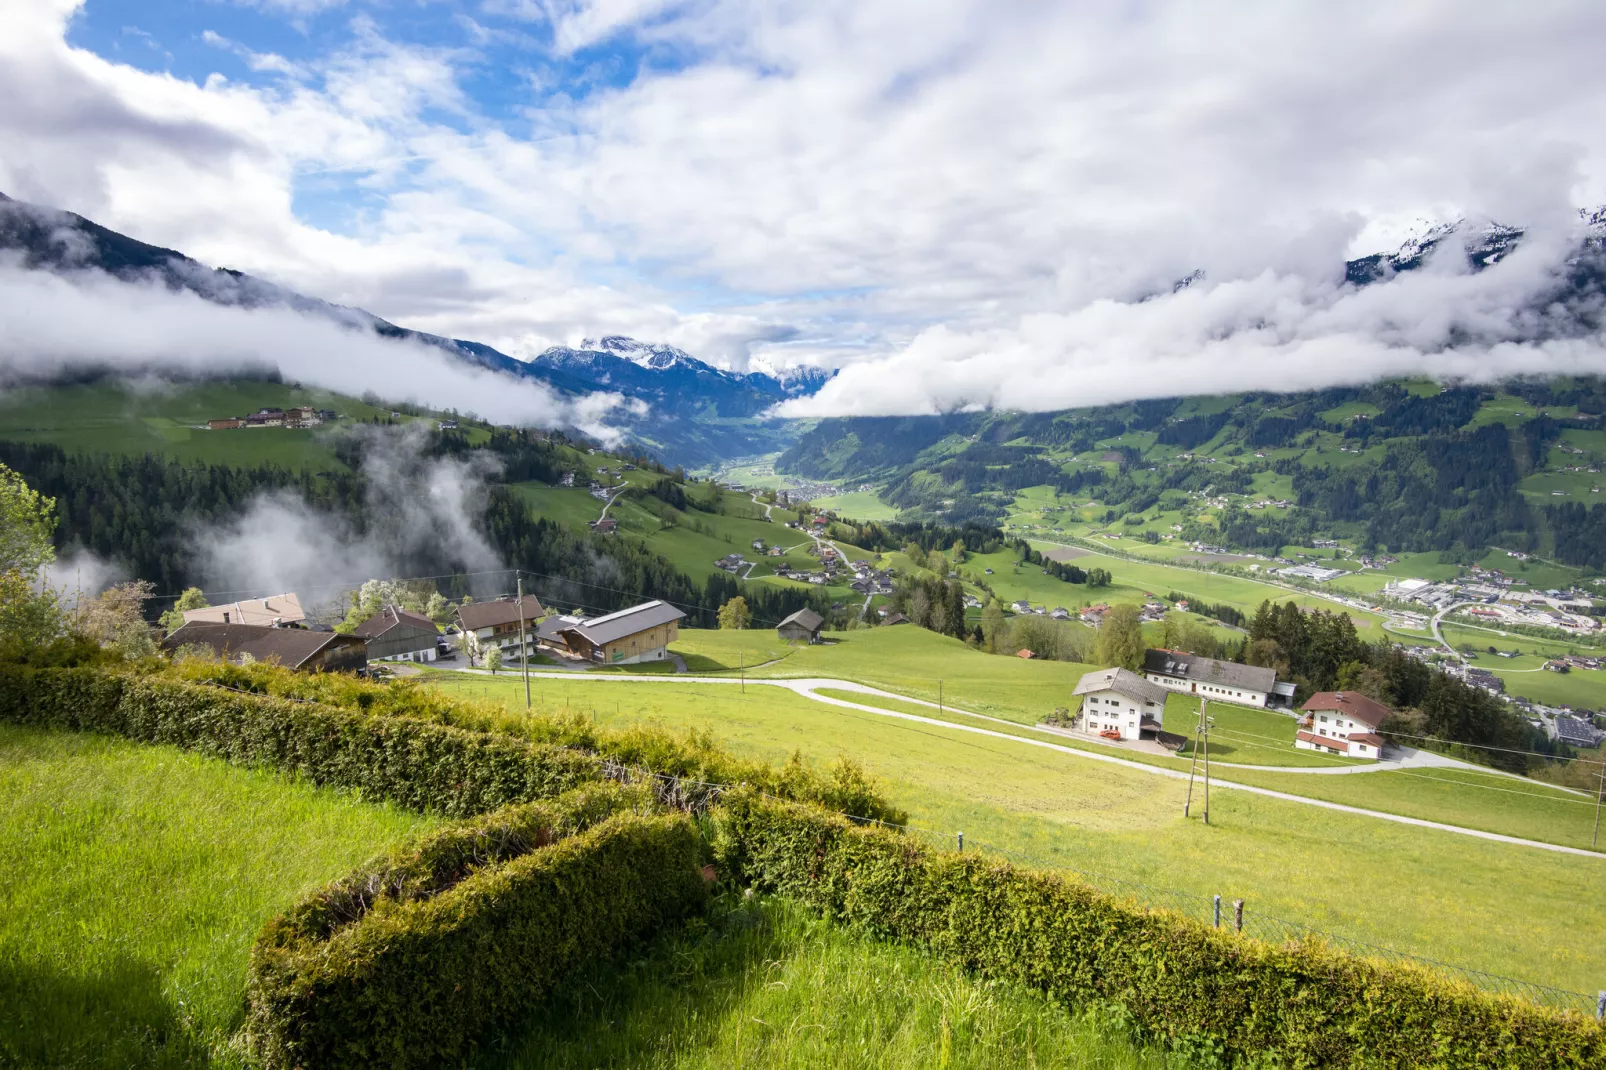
(136, 878)
(1486, 905)
(764, 984)
(170, 420)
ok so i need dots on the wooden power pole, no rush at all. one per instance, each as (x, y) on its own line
(1198, 735)
(1600, 793)
(524, 651)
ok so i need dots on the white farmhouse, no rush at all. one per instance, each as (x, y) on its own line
(1224, 681)
(1343, 723)
(1118, 700)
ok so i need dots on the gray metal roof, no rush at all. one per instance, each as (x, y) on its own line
(1209, 670)
(805, 618)
(1122, 682)
(604, 630)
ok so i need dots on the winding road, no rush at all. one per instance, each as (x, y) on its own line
(808, 687)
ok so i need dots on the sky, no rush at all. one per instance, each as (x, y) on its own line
(961, 203)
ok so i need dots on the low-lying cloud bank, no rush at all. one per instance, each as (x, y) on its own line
(1274, 332)
(58, 324)
(422, 516)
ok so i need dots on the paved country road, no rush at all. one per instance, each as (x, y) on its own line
(807, 688)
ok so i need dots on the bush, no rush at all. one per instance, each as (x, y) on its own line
(690, 754)
(427, 981)
(1303, 1003)
(439, 861)
(421, 766)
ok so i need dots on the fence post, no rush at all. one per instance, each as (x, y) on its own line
(1237, 915)
(1600, 1006)
(961, 842)
(1218, 911)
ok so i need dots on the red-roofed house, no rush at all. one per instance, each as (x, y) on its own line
(1343, 723)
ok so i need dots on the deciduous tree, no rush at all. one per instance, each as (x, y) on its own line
(1120, 643)
(734, 614)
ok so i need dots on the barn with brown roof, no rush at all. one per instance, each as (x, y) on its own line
(294, 648)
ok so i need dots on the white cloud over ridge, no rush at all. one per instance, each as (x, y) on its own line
(1275, 332)
(87, 320)
(962, 202)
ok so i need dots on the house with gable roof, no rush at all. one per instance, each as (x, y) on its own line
(1342, 723)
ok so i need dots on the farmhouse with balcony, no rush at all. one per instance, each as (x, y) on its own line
(1121, 701)
(1342, 723)
(488, 624)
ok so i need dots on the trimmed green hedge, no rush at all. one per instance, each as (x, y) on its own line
(439, 861)
(1305, 1003)
(692, 755)
(428, 981)
(421, 766)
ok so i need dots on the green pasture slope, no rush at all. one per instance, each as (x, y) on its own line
(766, 984)
(1502, 908)
(135, 881)
(170, 421)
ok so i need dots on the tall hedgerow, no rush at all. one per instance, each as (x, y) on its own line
(1301, 1004)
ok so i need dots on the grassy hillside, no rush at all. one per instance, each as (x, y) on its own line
(1258, 472)
(1486, 905)
(136, 879)
(170, 420)
(765, 985)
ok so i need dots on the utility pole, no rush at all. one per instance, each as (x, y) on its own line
(1198, 734)
(524, 651)
(1206, 764)
(1599, 794)
(741, 664)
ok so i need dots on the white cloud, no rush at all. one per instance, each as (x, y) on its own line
(837, 180)
(422, 513)
(55, 323)
(1277, 332)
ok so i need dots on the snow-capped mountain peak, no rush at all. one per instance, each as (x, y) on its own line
(646, 354)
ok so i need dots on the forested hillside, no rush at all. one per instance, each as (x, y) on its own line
(1397, 466)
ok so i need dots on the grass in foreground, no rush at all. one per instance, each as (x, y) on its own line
(763, 984)
(136, 878)
(1505, 909)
